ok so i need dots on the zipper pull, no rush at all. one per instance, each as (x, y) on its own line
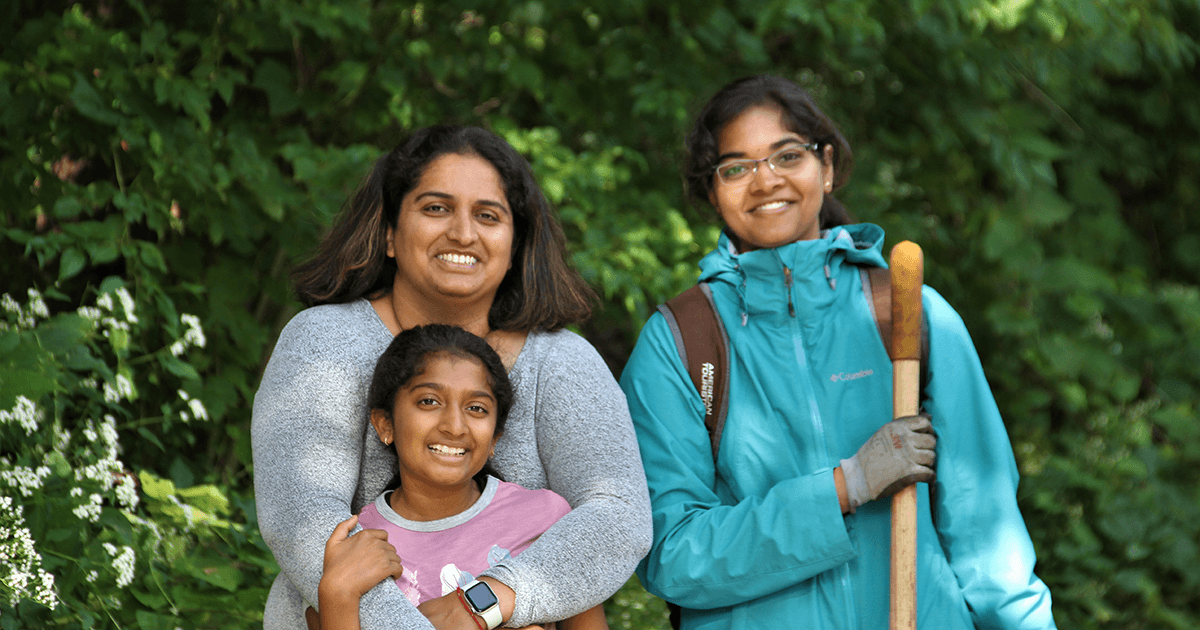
(787, 278)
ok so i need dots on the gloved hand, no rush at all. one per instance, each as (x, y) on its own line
(900, 453)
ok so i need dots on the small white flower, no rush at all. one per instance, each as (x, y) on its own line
(76, 492)
(91, 576)
(105, 302)
(25, 479)
(89, 511)
(90, 312)
(123, 562)
(198, 410)
(25, 413)
(194, 334)
(128, 305)
(9, 304)
(124, 387)
(37, 306)
(127, 494)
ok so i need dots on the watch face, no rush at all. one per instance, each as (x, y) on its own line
(480, 597)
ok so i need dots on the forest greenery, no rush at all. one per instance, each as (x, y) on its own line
(164, 164)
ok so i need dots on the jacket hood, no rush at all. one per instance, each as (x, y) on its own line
(859, 244)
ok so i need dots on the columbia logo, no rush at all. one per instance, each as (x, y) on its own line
(853, 376)
(706, 387)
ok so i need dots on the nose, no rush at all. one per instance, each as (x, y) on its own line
(453, 421)
(764, 177)
(461, 228)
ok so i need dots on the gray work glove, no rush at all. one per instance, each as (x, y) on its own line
(900, 453)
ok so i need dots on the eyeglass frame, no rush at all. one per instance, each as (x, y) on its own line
(815, 147)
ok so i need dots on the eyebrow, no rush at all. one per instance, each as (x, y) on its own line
(479, 393)
(448, 197)
(778, 144)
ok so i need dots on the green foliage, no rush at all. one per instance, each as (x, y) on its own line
(1043, 153)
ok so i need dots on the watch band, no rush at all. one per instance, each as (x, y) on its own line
(484, 602)
(470, 611)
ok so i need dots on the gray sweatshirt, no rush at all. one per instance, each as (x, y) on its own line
(317, 460)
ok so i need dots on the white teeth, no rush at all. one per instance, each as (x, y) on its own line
(458, 259)
(446, 450)
(771, 206)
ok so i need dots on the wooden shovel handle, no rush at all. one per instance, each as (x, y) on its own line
(908, 269)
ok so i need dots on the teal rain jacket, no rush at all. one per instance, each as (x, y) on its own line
(760, 542)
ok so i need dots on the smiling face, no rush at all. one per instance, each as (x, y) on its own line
(454, 233)
(443, 425)
(770, 209)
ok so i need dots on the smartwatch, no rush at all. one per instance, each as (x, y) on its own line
(483, 601)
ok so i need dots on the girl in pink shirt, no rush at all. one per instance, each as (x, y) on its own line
(441, 395)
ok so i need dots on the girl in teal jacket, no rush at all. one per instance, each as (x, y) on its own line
(786, 529)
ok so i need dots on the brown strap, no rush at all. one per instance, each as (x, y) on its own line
(701, 341)
(877, 283)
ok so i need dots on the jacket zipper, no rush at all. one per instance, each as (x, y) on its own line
(844, 576)
(787, 280)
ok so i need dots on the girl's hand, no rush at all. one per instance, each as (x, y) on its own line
(353, 566)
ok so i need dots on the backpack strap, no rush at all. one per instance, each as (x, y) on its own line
(703, 346)
(877, 285)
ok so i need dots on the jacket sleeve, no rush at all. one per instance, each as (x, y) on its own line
(709, 553)
(307, 436)
(589, 452)
(978, 520)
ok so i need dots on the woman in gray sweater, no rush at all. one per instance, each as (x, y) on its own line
(451, 228)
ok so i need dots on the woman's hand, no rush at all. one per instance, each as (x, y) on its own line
(900, 453)
(353, 566)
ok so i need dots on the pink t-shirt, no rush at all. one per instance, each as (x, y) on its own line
(440, 556)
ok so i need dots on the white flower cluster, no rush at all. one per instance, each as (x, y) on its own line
(127, 493)
(123, 390)
(89, 511)
(104, 469)
(27, 317)
(197, 408)
(123, 561)
(20, 564)
(105, 302)
(193, 336)
(23, 478)
(26, 414)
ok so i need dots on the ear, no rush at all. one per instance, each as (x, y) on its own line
(383, 425)
(827, 166)
(391, 247)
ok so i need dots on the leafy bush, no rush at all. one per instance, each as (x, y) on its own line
(84, 541)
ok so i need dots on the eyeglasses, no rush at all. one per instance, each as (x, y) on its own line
(784, 160)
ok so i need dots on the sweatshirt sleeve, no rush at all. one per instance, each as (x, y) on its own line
(307, 437)
(589, 452)
(708, 552)
(978, 520)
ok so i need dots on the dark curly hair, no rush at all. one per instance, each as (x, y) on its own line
(800, 114)
(410, 352)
